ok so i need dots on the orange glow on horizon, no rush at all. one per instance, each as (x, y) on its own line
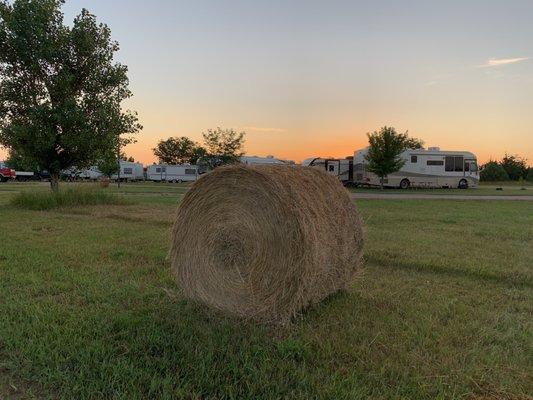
(326, 146)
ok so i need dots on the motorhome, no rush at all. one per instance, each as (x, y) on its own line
(172, 173)
(130, 171)
(430, 167)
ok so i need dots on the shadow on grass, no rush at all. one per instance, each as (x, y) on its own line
(517, 280)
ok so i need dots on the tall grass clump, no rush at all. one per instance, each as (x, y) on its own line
(66, 197)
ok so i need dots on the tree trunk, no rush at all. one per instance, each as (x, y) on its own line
(381, 182)
(54, 182)
(118, 162)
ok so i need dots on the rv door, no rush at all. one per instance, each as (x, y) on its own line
(333, 167)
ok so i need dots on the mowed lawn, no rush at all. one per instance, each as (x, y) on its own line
(443, 309)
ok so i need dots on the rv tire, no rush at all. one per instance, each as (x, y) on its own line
(463, 184)
(404, 184)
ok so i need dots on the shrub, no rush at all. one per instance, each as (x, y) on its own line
(515, 167)
(67, 197)
(492, 172)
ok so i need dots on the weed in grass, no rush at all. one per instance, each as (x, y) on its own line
(68, 197)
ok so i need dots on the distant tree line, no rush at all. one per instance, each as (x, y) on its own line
(509, 168)
(220, 146)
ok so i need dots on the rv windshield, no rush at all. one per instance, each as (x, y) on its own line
(471, 166)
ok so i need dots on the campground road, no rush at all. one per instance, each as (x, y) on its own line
(413, 196)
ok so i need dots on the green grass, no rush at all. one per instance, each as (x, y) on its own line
(66, 197)
(89, 310)
(484, 189)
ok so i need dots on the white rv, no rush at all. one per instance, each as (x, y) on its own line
(130, 171)
(342, 168)
(172, 173)
(255, 160)
(423, 168)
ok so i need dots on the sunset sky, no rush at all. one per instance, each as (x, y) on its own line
(310, 78)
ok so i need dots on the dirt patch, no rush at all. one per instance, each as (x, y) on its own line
(12, 389)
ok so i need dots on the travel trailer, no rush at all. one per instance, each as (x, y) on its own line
(342, 168)
(130, 171)
(255, 160)
(172, 173)
(423, 168)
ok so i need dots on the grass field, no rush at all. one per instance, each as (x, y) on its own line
(88, 309)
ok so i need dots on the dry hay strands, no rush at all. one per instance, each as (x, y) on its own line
(265, 242)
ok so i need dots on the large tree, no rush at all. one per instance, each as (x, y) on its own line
(60, 88)
(385, 147)
(178, 150)
(224, 146)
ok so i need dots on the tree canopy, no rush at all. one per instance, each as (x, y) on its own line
(385, 147)
(224, 146)
(515, 166)
(178, 150)
(60, 88)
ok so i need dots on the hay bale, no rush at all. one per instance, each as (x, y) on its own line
(265, 242)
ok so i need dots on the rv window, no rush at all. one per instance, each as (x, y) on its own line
(454, 163)
(190, 171)
(449, 163)
(459, 164)
(164, 169)
(435, 162)
(128, 171)
(414, 159)
(158, 170)
(467, 166)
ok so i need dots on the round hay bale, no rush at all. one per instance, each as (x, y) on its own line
(265, 242)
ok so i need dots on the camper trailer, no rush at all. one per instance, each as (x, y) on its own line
(130, 171)
(430, 167)
(268, 160)
(342, 168)
(172, 173)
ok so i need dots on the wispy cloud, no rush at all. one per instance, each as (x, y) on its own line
(263, 129)
(496, 62)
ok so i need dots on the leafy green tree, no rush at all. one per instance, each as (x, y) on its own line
(385, 147)
(493, 172)
(178, 150)
(224, 146)
(515, 166)
(60, 89)
(198, 152)
(17, 162)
